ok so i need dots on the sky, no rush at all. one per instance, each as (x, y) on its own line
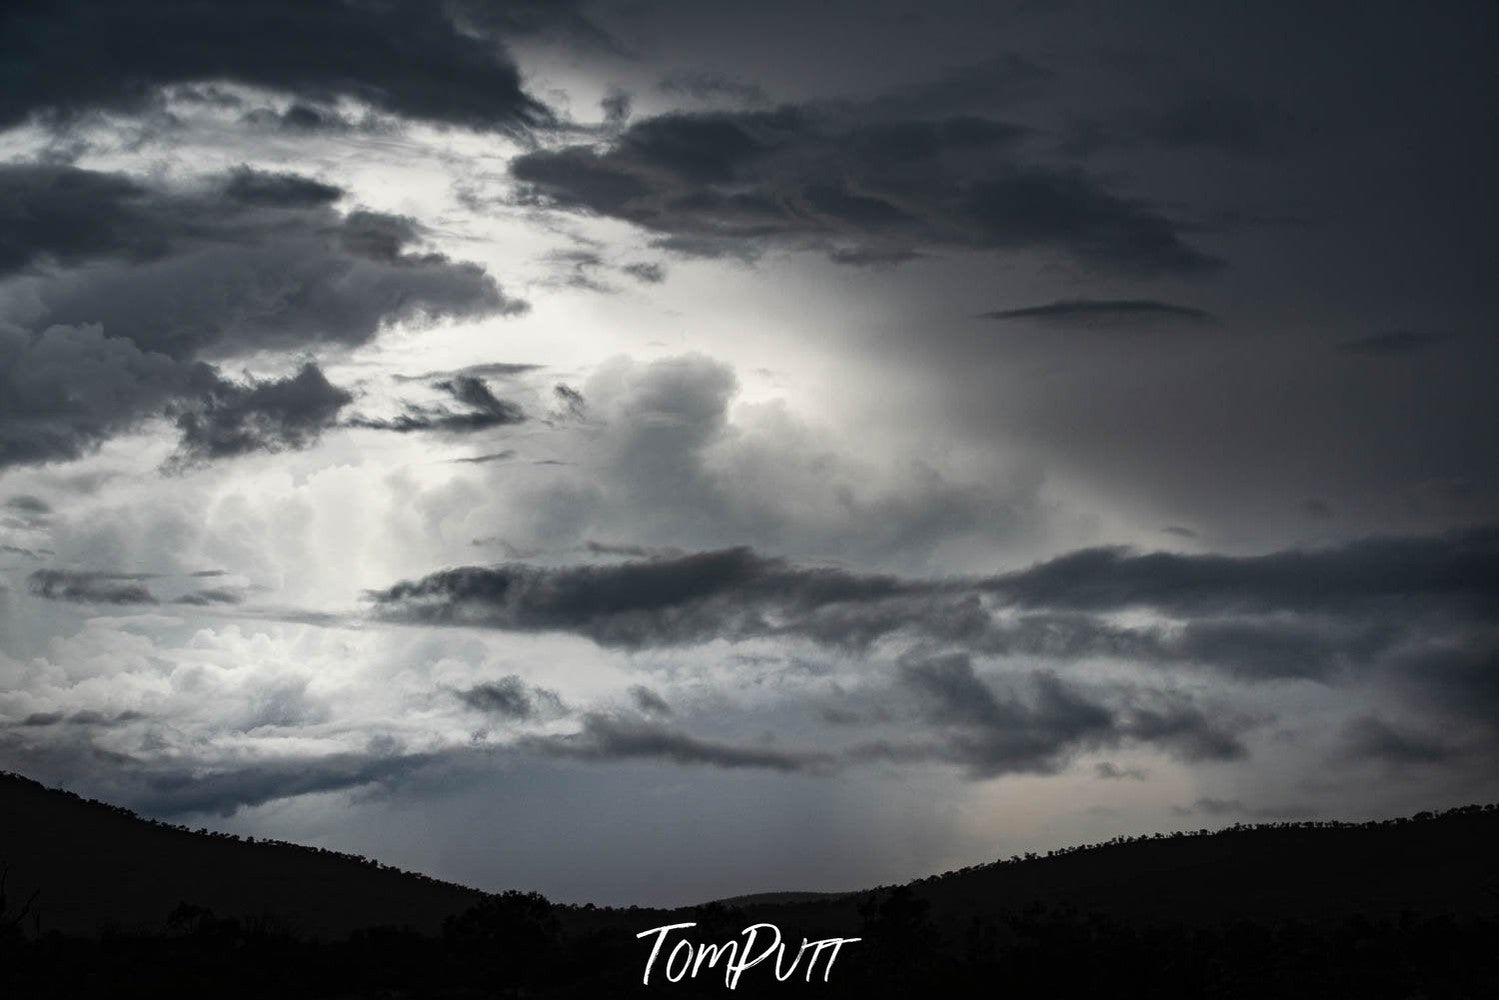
(647, 452)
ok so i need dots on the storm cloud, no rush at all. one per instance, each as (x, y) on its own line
(737, 594)
(133, 285)
(404, 58)
(68, 389)
(856, 184)
(240, 262)
(1041, 724)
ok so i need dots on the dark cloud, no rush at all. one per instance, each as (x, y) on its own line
(1410, 615)
(571, 402)
(1460, 569)
(84, 587)
(223, 791)
(25, 513)
(86, 717)
(1396, 342)
(1369, 737)
(67, 389)
(240, 262)
(615, 738)
(42, 719)
(261, 416)
(731, 594)
(1113, 772)
(496, 369)
(648, 701)
(1233, 608)
(616, 107)
(579, 269)
(176, 787)
(1101, 311)
(279, 190)
(299, 117)
(854, 182)
(497, 456)
(21, 550)
(633, 551)
(646, 271)
(29, 505)
(404, 58)
(1210, 806)
(1038, 728)
(511, 698)
(485, 410)
(211, 596)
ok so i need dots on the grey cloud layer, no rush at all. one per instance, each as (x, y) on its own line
(1414, 614)
(407, 58)
(1039, 725)
(856, 182)
(737, 594)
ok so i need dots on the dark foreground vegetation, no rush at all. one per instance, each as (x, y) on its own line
(1400, 909)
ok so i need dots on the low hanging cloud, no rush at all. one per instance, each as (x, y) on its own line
(737, 594)
(861, 183)
(1042, 724)
(606, 737)
(731, 594)
(1410, 613)
(410, 59)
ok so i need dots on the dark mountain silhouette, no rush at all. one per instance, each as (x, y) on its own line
(99, 902)
(98, 867)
